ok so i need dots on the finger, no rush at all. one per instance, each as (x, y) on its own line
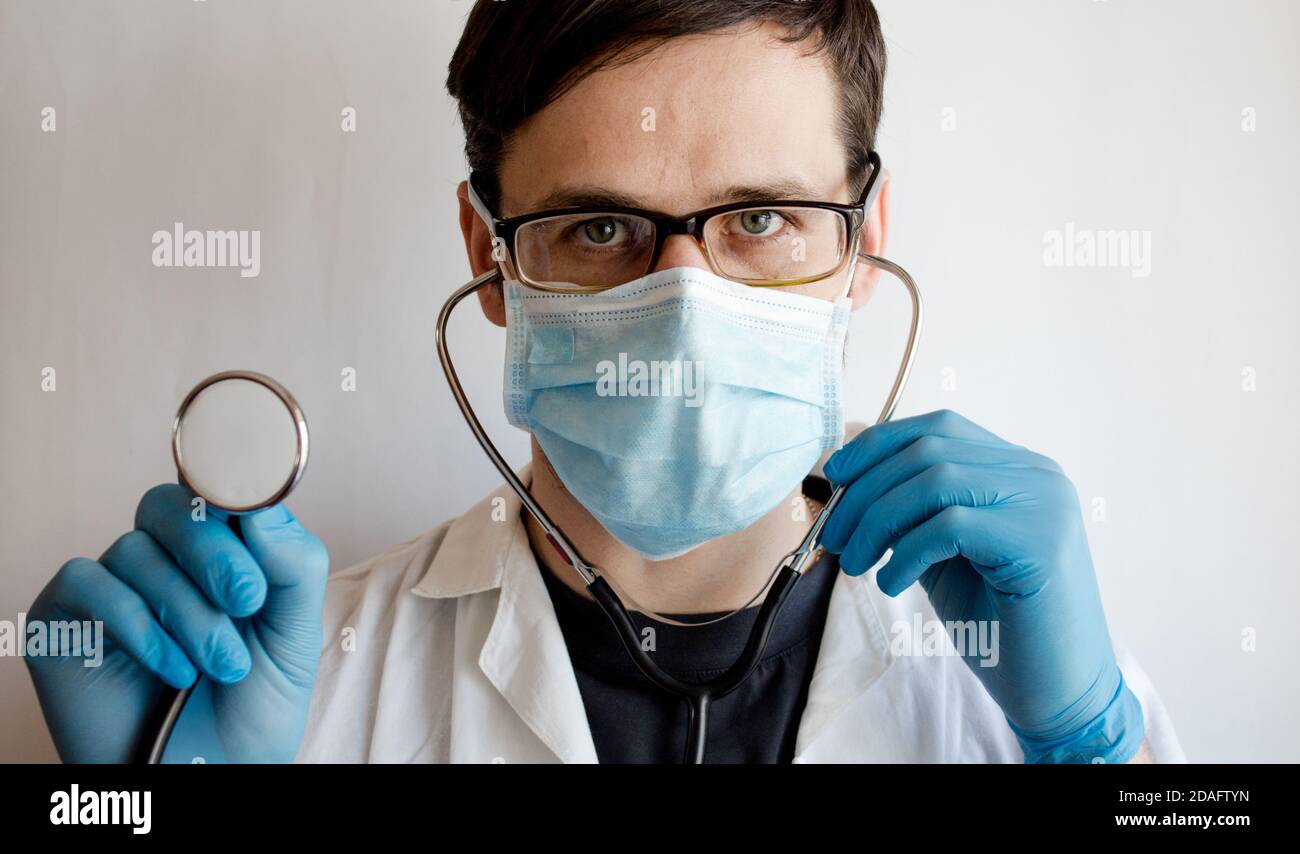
(876, 443)
(288, 553)
(953, 531)
(937, 488)
(207, 635)
(208, 551)
(921, 454)
(86, 590)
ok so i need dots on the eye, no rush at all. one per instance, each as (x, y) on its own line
(602, 231)
(759, 223)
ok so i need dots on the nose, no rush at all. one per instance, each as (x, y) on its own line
(681, 250)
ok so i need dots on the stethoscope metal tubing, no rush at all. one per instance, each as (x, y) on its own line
(557, 539)
(698, 696)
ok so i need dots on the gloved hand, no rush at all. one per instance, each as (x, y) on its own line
(236, 599)
(993, 531)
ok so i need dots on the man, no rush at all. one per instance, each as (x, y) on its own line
(594, 130)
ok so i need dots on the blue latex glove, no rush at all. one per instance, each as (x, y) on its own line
(237, 600)
(992, 531)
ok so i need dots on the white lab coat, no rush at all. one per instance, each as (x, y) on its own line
(447, 649)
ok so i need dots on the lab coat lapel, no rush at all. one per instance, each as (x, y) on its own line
(514, 695)
(854, 653)
(526, 658)
(854, 650)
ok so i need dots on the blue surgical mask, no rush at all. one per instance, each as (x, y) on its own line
(678, 407)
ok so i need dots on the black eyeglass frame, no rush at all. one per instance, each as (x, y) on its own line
(504, 231)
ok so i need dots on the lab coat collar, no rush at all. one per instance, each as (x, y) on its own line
(853, 655)
(524, 655)
(478, 546)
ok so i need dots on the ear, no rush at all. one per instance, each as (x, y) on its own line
(871, 240)
(478, 248)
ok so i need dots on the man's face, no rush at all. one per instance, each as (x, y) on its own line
(736, 116)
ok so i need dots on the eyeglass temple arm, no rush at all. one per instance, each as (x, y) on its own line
(872, 190)
(480, 207)
(553, 534)
(798, 558)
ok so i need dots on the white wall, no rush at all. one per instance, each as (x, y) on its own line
(1125, 114)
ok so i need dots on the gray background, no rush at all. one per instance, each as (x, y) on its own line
(1124, 114)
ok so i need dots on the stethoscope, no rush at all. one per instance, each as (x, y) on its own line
(698, 695)
(240, 442)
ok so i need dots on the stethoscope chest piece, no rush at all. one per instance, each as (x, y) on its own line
(239, 441)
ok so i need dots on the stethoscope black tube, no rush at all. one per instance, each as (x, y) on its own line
(699, 696)
(168, 712)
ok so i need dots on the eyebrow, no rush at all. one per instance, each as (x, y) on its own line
(593, 196)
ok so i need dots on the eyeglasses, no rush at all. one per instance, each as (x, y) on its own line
(772, 243)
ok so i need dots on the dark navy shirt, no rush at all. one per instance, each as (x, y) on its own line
(632, 720)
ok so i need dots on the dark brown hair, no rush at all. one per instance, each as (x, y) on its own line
(517, 56)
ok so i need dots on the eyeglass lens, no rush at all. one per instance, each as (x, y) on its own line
(755, 245)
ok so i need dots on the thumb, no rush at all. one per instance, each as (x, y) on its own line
(296, 565)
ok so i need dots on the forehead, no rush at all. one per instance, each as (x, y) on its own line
(679, 127)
